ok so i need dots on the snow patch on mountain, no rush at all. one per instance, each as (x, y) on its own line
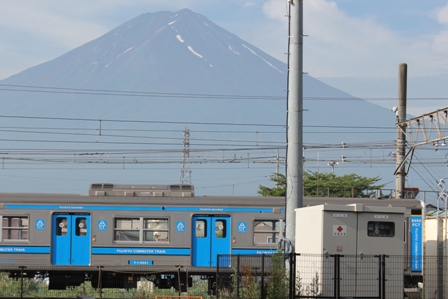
(128, 50)
(179, 38)
(194, 52)
(234, 52)
(267, 62)
(158, 30)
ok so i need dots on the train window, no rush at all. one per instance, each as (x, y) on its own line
(201, 229)
(14, 228)
(141, 229)
(81, 227)
(267, 231)
(220, 229)
(61, 226)
(127, 229)
(155, 230)
(380, 229)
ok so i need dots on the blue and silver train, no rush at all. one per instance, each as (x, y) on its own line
(149, 228)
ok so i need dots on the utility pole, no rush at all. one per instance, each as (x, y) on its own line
(400, 174)
(294, 148)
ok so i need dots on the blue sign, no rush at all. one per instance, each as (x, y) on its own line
(140, 251)
(40, 224)
(140, 262)
(180, 226)
(254, 251)
(102, 224)
(416, 243)
(24, 249)
(242, 227)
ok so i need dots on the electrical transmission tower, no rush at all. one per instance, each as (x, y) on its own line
(185, 172)
(429, 128)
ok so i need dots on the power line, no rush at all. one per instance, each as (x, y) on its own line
(139, 121)
(129, 93)
(134, 130)
(188, 123)
(102, 92)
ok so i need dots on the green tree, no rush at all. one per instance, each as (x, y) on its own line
(279, 189)
(321, 184)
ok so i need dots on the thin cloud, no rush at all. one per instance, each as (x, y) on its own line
(440, 42)
(37, 20)
(341, 45)
(441, 14)
(338, 44)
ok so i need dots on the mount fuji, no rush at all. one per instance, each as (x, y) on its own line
(154, 76)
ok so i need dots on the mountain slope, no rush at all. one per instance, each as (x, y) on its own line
(180, 52)
(151, 50)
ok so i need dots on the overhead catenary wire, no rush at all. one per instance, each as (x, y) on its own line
(210, 141)
(189, 122)
(139, 121)
(223, 145)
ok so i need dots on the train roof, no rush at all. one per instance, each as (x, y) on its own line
(257, 201)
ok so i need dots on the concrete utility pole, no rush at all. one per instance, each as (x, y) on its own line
(400, 174)
(294, 151)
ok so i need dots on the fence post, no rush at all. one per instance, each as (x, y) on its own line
(292, 275)
(100, 291)
(262, 276)
(337, 276)
(21, 280)
(380, 275)
(217, 275)
(338, 273)
(238, 276)
(335, 280)
(383, 276)
(179, 287)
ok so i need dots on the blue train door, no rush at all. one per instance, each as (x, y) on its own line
(70, 240)
(211, 236)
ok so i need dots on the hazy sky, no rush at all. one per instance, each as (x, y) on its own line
(354, 45)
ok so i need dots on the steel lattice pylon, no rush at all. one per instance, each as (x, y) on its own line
(428, 128)
(425, 129)
(185, 172)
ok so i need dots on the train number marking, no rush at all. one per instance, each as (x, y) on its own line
(180, 226)
(242, 227)
(40, 224)
(102, 224)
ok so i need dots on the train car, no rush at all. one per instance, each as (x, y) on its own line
(146, 230)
